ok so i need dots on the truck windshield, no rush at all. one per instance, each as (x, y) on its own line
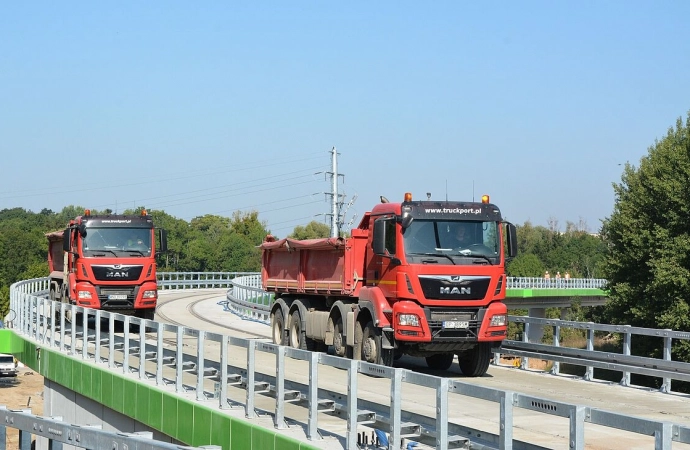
(453, 242)
(118, 241)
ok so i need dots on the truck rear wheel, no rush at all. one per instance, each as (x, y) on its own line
(339, 343)
(297, 336)
(440, 361)
(475, 362)
(370, 345)
(277, 327)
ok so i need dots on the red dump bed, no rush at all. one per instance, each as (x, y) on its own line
(56, 260)
(328, 266)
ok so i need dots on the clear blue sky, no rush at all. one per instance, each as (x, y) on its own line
(212, 107)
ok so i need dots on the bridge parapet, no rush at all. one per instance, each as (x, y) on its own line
(190, 369)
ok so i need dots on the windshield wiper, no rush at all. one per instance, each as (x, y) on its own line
(442, 255)
(97, 252)
(479, 256)
(136, 251)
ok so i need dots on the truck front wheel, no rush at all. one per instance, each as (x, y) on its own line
(475, 362)
(277, 327)
(440, 361)
(146, 314)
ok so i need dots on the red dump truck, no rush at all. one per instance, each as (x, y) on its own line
(106, 262)
(405, 282)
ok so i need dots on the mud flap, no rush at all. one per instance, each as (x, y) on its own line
(387, 339)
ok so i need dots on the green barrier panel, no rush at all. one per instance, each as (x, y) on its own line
(185, 420)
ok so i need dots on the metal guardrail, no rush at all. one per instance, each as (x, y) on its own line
(58, 433)
(247, 299)
(215, 378)
(623, 362)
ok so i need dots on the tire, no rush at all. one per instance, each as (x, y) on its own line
(297, 337)
(475, 362)
(68, 313)
(370, 347)
(278, 327)
(146, 314)
(339, 341)
(440, 361)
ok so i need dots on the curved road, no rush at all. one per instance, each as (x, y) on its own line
(200, 310)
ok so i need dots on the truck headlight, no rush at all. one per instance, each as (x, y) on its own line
(150, 294)
(411, 320)
(499, 320)
(84, 295)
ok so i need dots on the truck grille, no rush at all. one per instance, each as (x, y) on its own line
(117, 298)
(453, 287)
(117, 272)
(436, 316)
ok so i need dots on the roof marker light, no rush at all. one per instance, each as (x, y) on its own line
(485, 198)
(408, 196)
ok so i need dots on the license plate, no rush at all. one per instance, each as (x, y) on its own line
(117, 297)
(456, 324)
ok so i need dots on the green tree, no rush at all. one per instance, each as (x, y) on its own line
(648, 239)
(525, 265)
(312, 230)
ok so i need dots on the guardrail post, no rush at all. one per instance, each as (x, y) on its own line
(125, 357)
(201, 338)
(111, 341)
(84, 333)
(627, 338)
(395, 409)
(178, 359)
(507, 401)
(280, 389)
(663, 437)
(577, 427)
(351, 437)
(73, 330)
(62, 327)
(589, 372)
(312, 428)
(524, 362)
(142, 349)
(97, 341)
(159, 353)
(223, 400)
(249, 411)
(36, 317)
(44, 305)
(555, 369)
(668, 342)
(442, 413)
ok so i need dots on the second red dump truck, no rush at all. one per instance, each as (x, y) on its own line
(405, 282)
(106, 262)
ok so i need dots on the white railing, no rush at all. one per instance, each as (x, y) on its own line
(216, 380)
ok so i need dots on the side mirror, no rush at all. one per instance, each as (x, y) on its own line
(379, 240)
(407, 221)
(511, 239)
(163, 238)
(65, 240)
(82, 230)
